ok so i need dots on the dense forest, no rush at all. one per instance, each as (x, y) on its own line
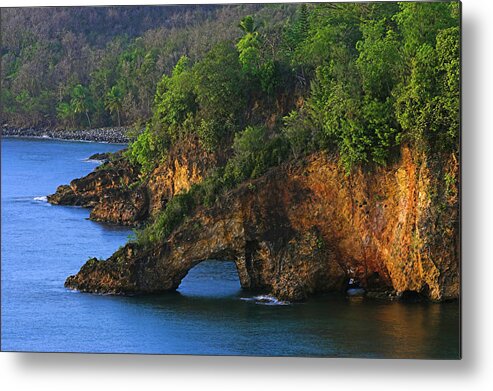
(256, 84)
(99, 66)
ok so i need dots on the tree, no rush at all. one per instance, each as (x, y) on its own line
(114, 100)
(380, 68)
(254, 152)
(419, 23)
(427, 101)
(255, 63)
(249, 52)
(299, 131)
(295, 33)
(220, 86)
(247, 25)
(81, 101)
(175, 98)
(65, 112)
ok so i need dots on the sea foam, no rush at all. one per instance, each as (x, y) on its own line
(96, 161)
(266, 300)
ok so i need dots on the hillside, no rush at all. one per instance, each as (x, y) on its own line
(99, 66)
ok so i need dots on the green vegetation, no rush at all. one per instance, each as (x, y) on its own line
(122, 51)
(256, 84)
(175, 212)
(254, 153)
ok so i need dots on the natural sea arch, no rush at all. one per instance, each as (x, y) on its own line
(211, 278)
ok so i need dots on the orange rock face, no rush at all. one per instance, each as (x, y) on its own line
(186, 164)
(117, 194)
(307, 227)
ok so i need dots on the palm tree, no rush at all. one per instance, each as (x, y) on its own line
(247, 25)
(113, 101)
(80, 102)
(65, 112)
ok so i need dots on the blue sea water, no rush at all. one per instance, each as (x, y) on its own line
(42, 244)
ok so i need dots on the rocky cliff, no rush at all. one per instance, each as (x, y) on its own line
(307, 227)
(118, 194)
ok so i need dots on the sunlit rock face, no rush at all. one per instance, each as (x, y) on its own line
(187, 163)
(117, 193)
(307, 227)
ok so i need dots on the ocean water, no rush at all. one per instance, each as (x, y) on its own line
(209, 314)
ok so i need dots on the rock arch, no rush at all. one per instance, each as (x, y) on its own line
(304, 229)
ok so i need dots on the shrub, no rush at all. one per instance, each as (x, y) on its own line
(301, 134)
(168, 219)
(254, 153)
(148, 149)
(210, 133)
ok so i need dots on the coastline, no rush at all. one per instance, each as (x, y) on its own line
(114, 135)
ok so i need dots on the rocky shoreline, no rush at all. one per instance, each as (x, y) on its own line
(116, 135)
(300, 229)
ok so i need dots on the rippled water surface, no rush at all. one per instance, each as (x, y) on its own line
(210, 314)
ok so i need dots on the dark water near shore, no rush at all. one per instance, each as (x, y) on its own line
(210, 314)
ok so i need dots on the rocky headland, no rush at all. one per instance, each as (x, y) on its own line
(303, 228)
(117, 193)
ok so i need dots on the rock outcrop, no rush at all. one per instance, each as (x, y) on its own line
(117, 194)
(187, 163)
(113, 191)
(307, 227)
(102, 157)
